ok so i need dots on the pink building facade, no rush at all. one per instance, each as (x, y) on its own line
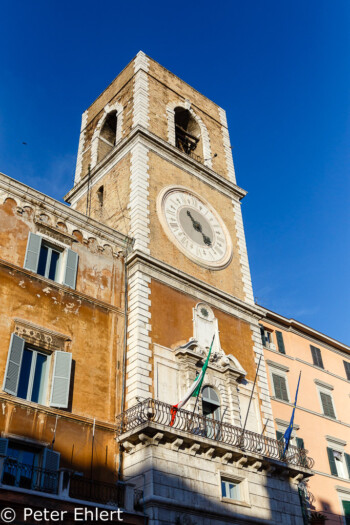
(322, 418)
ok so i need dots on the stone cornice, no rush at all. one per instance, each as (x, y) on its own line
(163, 149)
(189, 284)
(57, 286)
(31, 196)
(301, 329)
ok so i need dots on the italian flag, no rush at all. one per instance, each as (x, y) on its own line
(194, 389)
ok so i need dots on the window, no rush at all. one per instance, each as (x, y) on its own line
(27, 372)
(211, 411)
(280, 386)
(108, 135)
(280, 342)
(316, 356)
(327, 404)
(29, 466)
(266, 337)
(234, 490)
(51, 261)
(187, 131)
(230, 490)
(347, 369)
(100, 193)
(339, 463)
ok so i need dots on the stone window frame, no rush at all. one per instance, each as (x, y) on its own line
(244, 500)
(326, 389)
(170, 112)
(47, 342)
(116, 106)
(282, 371)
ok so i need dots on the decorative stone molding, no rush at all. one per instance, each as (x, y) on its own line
(322, 384)
(116, 106)
(170, 113)
(242, 250)
(227, 146)
(79, 165)
(141, 96)
(138, 198)
(279, 366)
(40, 336)
(139, 366)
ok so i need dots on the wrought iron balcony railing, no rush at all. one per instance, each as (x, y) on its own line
(24, 476)
(154, 411)
(97, 491)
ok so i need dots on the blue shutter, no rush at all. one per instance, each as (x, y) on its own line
(50, 466)
(3, 446)
(61, 379)
(70, 275)
(14, 362)
(31, 260)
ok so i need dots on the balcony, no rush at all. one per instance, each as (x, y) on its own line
(63, 484)
(151, 416)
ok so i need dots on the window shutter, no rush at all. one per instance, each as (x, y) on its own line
(331, 460)
(61, 379)
(279, 435)
(3, 446)
(316, 356)
(347, 461)
(263, 339)
(280, 342)
(280, 387)
(70, 275)
(300, 443)
(327, 405)
(33, 251)
(347, 369)
(13, 367)
(50, 465)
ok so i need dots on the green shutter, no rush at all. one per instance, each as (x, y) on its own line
(280, 387)
(327, 405)
(346, 507)
(31, 260)
(331, 460)
(279, 435)
(70, 275)
(347, 369)
(280, 342)
(347, 461)
(300, 443)
(14, 362)
(316, 356)
(263, 339)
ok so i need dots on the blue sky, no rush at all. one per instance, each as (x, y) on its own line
(279, 68)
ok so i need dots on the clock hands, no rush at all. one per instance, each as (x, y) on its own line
(198, 227)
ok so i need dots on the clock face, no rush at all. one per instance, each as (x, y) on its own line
(195, 227)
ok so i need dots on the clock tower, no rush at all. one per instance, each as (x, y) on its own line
(155, 163)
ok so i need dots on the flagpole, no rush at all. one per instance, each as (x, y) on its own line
(251, 397)
(212, 342)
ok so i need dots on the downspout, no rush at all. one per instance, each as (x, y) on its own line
(124, 353)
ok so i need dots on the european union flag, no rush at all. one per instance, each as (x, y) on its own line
(288, 432)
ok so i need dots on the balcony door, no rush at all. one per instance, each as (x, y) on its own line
(211, 412)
